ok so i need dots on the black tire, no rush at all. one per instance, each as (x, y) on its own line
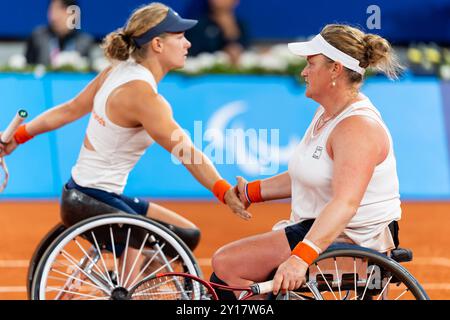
(39, 251)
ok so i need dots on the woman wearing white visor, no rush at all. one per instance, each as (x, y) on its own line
(342, 177)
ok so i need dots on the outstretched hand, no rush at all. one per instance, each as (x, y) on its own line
(235, 204)
(7, 148)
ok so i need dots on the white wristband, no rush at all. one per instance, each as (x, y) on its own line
(246, 193)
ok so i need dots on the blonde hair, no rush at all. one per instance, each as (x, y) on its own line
(119, 45)
(370, 50)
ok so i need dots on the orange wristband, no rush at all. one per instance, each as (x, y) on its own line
(220, 188)
(305, 252)
(21, 135)
(253, 192)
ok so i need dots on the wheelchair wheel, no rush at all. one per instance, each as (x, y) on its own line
(39, 251)
(350, 272)
(101, 258)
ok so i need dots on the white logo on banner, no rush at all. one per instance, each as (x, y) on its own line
(258, 156)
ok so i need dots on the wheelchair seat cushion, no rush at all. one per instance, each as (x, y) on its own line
(77, 206)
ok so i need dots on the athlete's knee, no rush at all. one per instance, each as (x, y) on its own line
(221, 263)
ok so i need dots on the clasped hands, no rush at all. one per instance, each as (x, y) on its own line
(235, 198)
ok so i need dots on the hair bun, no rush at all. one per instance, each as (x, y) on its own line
(371, 50)
(116, 46)
(377, 49)
(125, 38)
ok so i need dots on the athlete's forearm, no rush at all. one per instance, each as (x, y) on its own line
(52, 119)
(331, 223)
(277, 187)
(201, 168)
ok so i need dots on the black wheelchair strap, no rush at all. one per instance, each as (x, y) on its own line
(394, 228)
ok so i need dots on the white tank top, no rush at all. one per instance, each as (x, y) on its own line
(117, 149)
(311, 171)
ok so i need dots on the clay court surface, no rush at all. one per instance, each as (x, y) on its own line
(424, 229)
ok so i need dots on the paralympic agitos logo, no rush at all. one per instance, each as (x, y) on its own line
(226, 141)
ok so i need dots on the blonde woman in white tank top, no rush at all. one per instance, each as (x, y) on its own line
(128, 114)
(342, 178)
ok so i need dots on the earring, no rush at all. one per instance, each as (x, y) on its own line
(333, 83)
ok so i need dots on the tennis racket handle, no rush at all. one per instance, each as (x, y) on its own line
(265, 287)
(8, 134)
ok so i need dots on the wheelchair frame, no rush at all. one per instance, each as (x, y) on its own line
(321, 277)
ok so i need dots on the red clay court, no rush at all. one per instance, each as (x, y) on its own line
(424, 229)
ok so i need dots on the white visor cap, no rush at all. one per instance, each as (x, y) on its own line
(318, 45)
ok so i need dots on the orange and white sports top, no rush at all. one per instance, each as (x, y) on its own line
(117, 149)
(311, 172)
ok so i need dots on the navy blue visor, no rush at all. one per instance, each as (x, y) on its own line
(171, 23)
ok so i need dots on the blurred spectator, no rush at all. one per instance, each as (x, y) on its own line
(47, 42)
(219, 30)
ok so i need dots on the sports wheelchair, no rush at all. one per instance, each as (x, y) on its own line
(90, 254)
(89, 258)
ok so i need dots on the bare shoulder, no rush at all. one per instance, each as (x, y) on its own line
(138, 96)
(359, 128)
(359, 134)
(136, 89)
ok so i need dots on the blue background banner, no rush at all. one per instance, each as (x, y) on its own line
(268, 19)
(414, 109)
